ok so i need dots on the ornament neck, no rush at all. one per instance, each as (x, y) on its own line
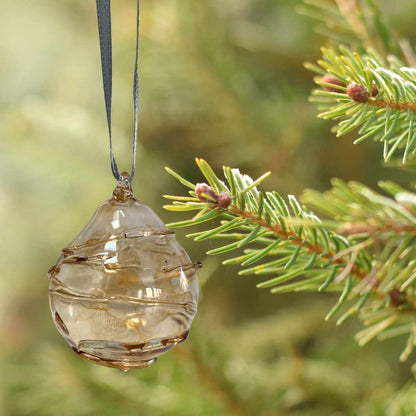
(123, 191)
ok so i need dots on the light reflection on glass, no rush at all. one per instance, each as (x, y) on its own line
(183, 281)
(116, 219)
(153, 293)
(111, 245)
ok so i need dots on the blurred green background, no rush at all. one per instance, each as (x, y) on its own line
(222, 80)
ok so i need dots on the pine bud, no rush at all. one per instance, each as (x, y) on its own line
(223, 200)
(357, 92)
(331, 79)
(396, 297)
(374, 91)
(203, 190)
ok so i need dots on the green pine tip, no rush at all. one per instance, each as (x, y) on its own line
(229, 261)
(183, 181)
(341, 320)
(173, 225)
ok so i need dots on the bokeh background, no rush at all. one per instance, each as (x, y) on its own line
(222, 80)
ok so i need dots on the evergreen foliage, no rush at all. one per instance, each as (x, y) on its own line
(222, 79)
(387, 113)
(366, 53)
(365, 247)
(366, 251)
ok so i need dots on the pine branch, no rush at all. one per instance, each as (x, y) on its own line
(365, 250)
(368, 91)
(362, 215)
(369, 95)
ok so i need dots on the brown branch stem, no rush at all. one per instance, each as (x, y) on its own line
(397, 298)
(296, 239)
(393, 105)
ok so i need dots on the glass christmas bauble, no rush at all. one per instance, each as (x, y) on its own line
(124, 291)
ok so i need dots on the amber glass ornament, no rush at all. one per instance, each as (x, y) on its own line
(124, 291)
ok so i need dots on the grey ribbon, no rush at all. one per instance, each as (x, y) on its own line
(104, 30)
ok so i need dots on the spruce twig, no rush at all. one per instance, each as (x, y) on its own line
(379, 101)
(366, 253)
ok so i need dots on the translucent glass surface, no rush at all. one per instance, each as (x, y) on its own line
(124, 291)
